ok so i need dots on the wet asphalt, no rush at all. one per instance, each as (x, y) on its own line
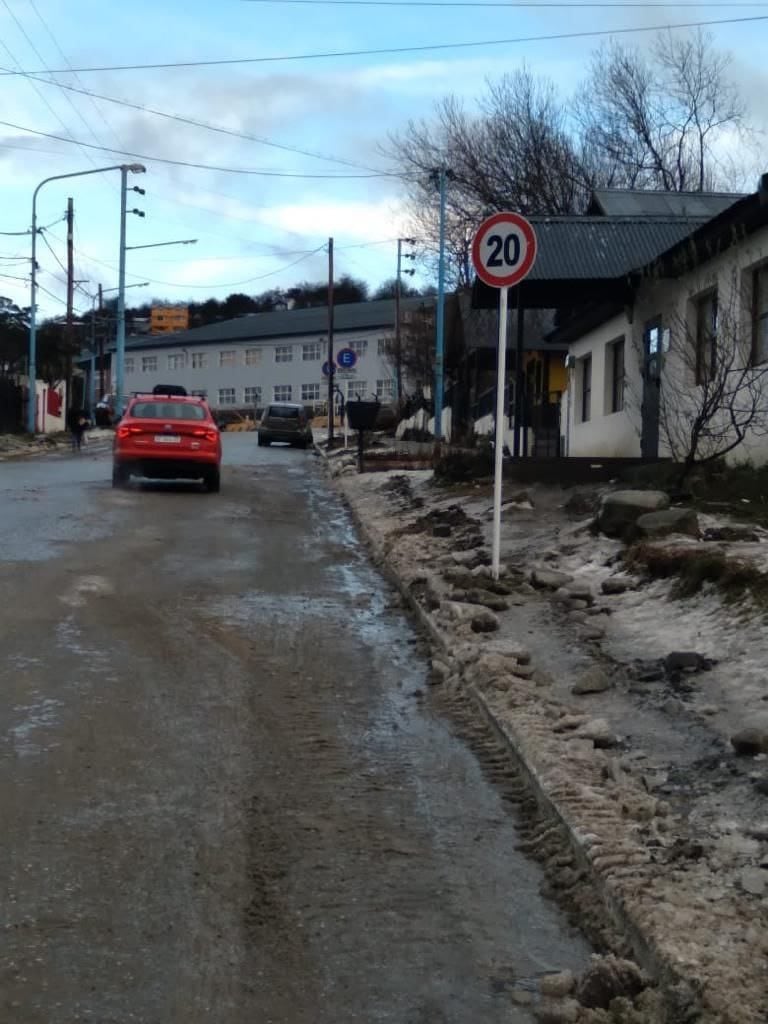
(226, 791)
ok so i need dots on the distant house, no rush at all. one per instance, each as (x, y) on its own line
(278, 356)
(686, 328)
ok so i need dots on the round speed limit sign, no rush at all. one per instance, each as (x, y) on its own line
(504, 249)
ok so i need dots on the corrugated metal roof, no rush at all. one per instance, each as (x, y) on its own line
(615, 202)
(603, 248)
(352, 316)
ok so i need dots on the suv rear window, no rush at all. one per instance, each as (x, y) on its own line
(168, 411)
(284, 412)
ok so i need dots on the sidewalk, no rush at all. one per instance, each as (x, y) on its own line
(627, 749)
(22, 446)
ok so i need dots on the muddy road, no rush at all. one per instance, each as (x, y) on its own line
(226, 794)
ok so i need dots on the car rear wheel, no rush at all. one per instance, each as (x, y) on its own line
(120, 476)
(264, 441)
(213, 481)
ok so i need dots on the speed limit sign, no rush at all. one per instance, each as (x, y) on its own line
(504, 250)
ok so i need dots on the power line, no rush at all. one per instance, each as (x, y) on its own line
(17, 234)
(194, 122)
(258, 172)
(424, 48)
(530, 4)
(52, 251)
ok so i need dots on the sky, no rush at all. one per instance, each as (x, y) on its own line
(257, 231)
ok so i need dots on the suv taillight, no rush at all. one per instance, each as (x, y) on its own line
(123, 432)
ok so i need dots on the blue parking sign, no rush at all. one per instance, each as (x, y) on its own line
(346, 358)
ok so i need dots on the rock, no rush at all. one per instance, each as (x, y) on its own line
(745, 534)
(594, 680)
(750, 742)
(511, 649)
(580, 592)
(592, 631)
(438, 672)
(761, 785)
(686, 661)
(568, 723)
(481, 597)
(521, 997)
(484, 621)
(441, 530)
(606, 979)
(615, 585)
(523, 671)
(550, 579)
(671, 520)
(581, 504)
(622, 509)
(754, 881)
(551, 1011)
(600, 732)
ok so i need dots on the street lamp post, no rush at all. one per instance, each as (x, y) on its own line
(32, 368)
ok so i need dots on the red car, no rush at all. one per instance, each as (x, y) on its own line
(167, 437)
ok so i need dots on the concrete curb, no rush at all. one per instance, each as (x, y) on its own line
(628, 898)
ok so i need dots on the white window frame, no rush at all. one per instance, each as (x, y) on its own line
(283, 354)
(314, 397)
(253, 357)
(176, 361)
(252, 395)
(232, 391)
(359, 347)
(199, 360)
(129, 366)
(282, 388)
(312, 352)
(385, 388)
(224, 358)
(149, 364)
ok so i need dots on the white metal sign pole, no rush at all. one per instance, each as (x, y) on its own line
(499, 451)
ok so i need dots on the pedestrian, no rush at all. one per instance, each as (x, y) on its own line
(77, 423)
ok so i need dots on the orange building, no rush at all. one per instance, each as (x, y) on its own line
(165, 319)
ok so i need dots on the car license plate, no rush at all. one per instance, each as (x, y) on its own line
(167, 438)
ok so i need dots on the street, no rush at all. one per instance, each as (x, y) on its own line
(227, 794)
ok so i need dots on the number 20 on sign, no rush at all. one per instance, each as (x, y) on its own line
(503, 252)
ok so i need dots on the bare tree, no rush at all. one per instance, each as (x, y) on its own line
(714, 394)
(658, 117)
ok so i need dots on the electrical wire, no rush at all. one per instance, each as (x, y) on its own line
(423, 48)
(257, 172)
(195, 123)
(52, 251)
(17, 234)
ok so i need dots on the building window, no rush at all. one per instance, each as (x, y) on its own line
(310, 392)
(149, 364)
(253, 395)
(384, 389)
(615, 369)
(176, 362)
(760, 315)
(227, 396)
(706, 337)
(228, 357)
(358, 388)
(129, 365)
(382, 346)
(358, 347)
(199, 360)
(284, 353)
(253, 357)
(585, 389)
(282, 393)
(312, 353)
(199, 394)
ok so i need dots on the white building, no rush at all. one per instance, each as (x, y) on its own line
(280, 356)
(691, 323)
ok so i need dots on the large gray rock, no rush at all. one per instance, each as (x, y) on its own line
(750, 742)
(594, 680)
(550, 579)
(622, 509)
(670, 520)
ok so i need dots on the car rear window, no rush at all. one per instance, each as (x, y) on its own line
(283, 412)
(168, 411)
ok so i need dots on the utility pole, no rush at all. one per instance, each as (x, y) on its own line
(69, 328)
(441, 174)
(398, 330)
(120, 340)
(102, 388)
(331, 368)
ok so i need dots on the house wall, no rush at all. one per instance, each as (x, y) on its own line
(372, 374)
(673, 302)
(605, 434)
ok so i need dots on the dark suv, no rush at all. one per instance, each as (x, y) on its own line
(285, 421)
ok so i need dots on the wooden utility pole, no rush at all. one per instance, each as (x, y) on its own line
(398, 340)
(69, 328)
(331, 368)
(102, 388)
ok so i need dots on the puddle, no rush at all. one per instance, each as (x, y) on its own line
(42, 714)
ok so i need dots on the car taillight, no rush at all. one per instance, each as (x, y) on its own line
(209, 435)
(123, 432)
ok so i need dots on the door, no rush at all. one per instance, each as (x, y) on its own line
(652, 354)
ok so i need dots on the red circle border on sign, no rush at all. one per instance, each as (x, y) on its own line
(523, 270)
